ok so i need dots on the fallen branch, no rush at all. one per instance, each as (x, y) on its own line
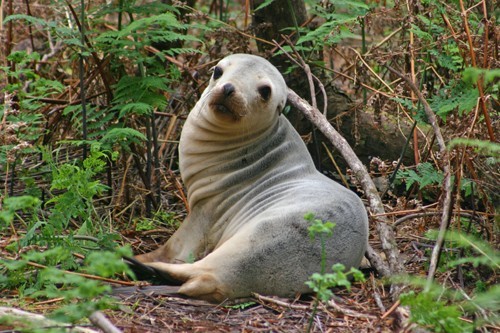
(23, 319)
(387, 238)
(98, 319)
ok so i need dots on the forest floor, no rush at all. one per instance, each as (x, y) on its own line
(367, 307)
(349, 311)
(353, 311)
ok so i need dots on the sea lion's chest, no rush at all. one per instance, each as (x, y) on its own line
(233, 186)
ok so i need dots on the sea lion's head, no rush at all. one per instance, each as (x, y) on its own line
(244, 89)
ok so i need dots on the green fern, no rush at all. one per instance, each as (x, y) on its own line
(144, 32)
(487, 148)
(439, 308)
(424, 176)
(456, 96)
(339, 21)
(139, 95)
(79, 187)
(121, 136)
(430, 312)
(484, 254)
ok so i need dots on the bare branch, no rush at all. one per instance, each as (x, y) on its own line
(30, 320)
(98, 319)
(447, 185)
(386, 233)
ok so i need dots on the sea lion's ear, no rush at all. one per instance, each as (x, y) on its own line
(279, 109)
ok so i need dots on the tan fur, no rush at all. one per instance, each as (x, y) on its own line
(250, 181)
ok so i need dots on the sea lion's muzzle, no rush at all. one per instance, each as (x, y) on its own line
(225, 101)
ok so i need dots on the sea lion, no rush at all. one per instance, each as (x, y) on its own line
(250, 180)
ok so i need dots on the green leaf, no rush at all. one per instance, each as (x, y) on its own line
(472, 75)
(486, 147)
(456, 96)
(264, 4)
(30, 19)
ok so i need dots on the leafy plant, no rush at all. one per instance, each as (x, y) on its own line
(339, 19)
(424, 175)
(80, 295)
(21, 125)
(12, 205)
(439, 308)
(79, 187)
(160, 218)
(241, 306)
(485, 147)
(431, 313)
(322, 282)
(456, 96)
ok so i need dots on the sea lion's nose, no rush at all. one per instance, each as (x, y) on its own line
(228, 89)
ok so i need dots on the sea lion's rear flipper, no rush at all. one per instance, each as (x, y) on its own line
(148, 273)
(198, 281)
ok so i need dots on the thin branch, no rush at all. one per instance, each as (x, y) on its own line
(349, 312)
(487, 119)
(424, 214)
(310, 75)
(262, 298)
(98, 319)
(386, 234)
(447, 185)
(88, 276)
(372, 70)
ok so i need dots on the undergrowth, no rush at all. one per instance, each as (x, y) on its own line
(442, 309)
(322, 283)
(136, 69)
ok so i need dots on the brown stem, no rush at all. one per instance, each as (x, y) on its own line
(447, 185)
(487, 118)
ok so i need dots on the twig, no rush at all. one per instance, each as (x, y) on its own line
(391, 309)
(411, 46)
(447, 185)
(88, 276)
(309, 74)
(371, 70)
(383, 41)
(432, 213)
(54, 49)
(348, 312)
(262, 298)
(98, 319)
(487, 119)
(376, 295)
(330, 155)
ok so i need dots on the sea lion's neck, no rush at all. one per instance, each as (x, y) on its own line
(214, 170)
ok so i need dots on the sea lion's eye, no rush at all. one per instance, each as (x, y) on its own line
(265, 92)
(217, 72)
